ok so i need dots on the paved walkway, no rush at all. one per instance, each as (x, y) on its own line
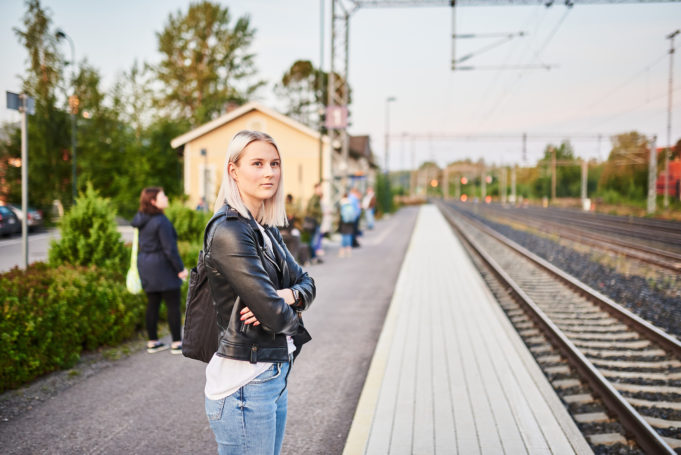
(450, 375)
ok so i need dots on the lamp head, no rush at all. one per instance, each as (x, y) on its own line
(60, 34)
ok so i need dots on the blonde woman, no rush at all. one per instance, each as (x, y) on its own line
(259, 292)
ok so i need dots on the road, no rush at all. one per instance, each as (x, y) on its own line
(153, 403)
(38, 247)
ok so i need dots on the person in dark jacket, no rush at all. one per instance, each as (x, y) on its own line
(259, 292)
(160, 267)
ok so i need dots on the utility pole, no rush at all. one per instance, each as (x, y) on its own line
(320, 92)
(388, 100)
(553, 174)
(652, 171)
(585, 176)
(73, 105)
(445, 183)
(670, 37)
(483, 183)
(513, 193)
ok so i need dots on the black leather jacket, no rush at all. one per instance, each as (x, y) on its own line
(242, 273)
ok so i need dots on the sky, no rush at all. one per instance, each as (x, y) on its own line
(609, 69)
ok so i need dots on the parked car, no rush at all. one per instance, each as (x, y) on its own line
(9, 223)
(35, 217)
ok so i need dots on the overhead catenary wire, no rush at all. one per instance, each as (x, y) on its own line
(507, 92)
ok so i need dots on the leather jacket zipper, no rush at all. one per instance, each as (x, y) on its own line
(270, 259)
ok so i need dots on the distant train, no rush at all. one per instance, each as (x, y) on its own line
(674, 180)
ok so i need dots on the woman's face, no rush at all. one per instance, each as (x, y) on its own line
(257, 173)
(161, 201)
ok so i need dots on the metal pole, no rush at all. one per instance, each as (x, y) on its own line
(24, 179)
(483, 183)
(320, 91)
(453, 34)
(669, 117)
(457, 194)
(652, 171)
(445, 183)
(553, 174)
(585, 170)
(331, 92)
(73, 104)
(345, 138)
(387, 133)
(513, 193)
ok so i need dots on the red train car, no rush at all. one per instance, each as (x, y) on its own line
(674, 180)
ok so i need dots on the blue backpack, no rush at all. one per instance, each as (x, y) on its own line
(347, 213)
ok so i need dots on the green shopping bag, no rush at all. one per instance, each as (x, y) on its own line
(132, 280)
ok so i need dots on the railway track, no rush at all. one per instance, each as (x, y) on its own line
(585, 342)
(600, 236)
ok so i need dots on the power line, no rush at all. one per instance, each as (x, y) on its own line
(507, 92)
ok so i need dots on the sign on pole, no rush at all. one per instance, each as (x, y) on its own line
(336, 117)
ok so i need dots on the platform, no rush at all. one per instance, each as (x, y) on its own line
(450, 374)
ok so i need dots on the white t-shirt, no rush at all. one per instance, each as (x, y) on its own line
(225, 376)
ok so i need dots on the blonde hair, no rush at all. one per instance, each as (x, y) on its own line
(273, 211)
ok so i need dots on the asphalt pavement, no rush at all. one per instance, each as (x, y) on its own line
(153, 403)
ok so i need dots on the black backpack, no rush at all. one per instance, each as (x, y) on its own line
(201, 332)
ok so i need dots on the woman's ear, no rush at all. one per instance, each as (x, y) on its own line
(231, 169)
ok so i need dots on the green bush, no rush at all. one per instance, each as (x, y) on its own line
(384, 194)
(188, 223)
(49, 315)
(89, 235)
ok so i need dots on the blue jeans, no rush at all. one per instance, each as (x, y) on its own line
(346, 240)
(315, 242)
(369, 216)
(252, 420)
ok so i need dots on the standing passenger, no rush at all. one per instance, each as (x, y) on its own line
(160, 266)
(355, 197)
(313, 214)
(259, 292)
(369, 206)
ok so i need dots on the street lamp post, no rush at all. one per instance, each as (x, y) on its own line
(388, 100)
(73, 104)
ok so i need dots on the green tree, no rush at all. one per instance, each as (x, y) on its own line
(298, 88)
(568, 172)
(626, 170)
(48, 131)
(206, 63)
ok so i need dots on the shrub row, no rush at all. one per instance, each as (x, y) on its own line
(50, 314)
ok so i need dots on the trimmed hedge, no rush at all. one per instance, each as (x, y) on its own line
(49, 315)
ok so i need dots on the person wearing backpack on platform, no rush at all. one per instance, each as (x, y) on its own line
(259, 293)
(348, 214)
(160, 267)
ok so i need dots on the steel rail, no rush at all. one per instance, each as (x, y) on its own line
(651, 255)
(662, 338)
(649, 440)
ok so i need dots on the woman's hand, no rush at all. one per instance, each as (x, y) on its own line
(248, 317)
(183, 274)
(287, 295)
